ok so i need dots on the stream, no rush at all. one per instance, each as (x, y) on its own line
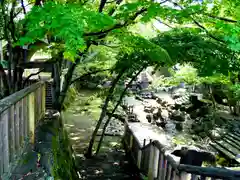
(176, 137)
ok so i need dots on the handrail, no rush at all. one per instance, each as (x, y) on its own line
(20, 113)
(14, 98)
(209, 171)
(213, 172)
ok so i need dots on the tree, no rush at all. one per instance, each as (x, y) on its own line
(189, 45)
(79, 28)
(139, 54)
(71, 28)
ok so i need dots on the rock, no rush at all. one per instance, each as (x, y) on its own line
(161, 123)
(176, 96)
(179, 126)
(179, 92)
(148, 108)
(149, 117)
(193, 115)
(178, 116)
(164, 114)
(215, 134)
(159, 101)
(164, 103)
(177, 106)
(154, 96)
(182, 108)
(157, 114)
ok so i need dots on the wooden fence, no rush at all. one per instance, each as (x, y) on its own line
(153, 162)
(19, 114)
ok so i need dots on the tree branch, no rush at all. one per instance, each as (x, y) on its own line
(11, 25)
(23, 7)
(5, 81)
(33, 74)
(198, 24)
(118, 2)
(88, 74)
(101, 6)
(117, 26)
(164, 23)
(221, 18)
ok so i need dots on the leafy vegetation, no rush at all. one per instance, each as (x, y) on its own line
(103, 41)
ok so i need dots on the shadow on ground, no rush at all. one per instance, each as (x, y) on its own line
(110, 164)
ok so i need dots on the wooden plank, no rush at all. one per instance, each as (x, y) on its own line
(12, 133)
(228, 147)
(156, 162)
(21, 123)
(1, 147)
(169, 172)
(222, 150)
(4, 118)
(233, 145)
(233, 140)
(16, 128)
(235, 136)
(151, 163)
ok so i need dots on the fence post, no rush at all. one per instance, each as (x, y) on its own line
(12, 145)
(151, 163)
(139, 158)
(131, 142)
(31, 115)
(4, 117)
(16, 123)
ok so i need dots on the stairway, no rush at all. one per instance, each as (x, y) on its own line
(49, 95)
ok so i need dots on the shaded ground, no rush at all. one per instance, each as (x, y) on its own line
(36, 161)
(111, 163)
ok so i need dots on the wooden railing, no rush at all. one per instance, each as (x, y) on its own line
(153, 161)
(19, 114)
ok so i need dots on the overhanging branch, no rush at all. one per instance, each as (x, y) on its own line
(221, 18)
(117, 26)
(88, 74)
(33, 74)
(198, 24)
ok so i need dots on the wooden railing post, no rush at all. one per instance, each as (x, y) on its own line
(151, 163)
(12, 136)
(31, 115)
(5, 135)
(139, 158)
(16, 123)
(21, 122)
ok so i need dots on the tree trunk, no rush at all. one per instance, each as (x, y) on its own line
(115, 108)
(6, 91)
(68, 80)
(56, 86)
(103, 113)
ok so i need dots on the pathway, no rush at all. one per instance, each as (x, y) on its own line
(110, 164)
(35, 163)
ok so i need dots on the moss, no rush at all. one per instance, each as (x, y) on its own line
(71, 95)
(63, 162)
